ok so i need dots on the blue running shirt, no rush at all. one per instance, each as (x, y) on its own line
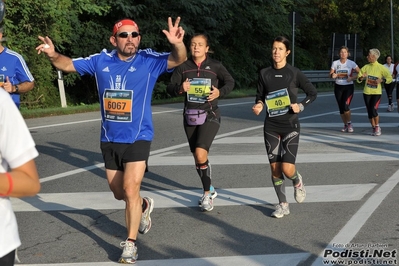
(125, 92)
(13, 66)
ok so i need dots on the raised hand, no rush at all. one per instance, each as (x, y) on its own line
(46, 47)
(175, 33)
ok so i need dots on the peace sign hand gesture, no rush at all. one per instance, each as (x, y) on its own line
(175, 34)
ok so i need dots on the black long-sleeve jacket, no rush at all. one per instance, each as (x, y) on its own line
(288, 78)
(209, 68)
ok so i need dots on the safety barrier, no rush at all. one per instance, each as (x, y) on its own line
(317, 76)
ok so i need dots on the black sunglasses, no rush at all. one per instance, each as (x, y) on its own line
(125, 34)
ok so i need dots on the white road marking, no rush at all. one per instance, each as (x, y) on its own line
(66, 124)
(315, 138)
(353, 226)
(187, 198)
(236, 196)
(252, 260)
(159, 157)
(245, 159)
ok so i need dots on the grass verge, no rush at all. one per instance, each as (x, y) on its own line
(56, 111)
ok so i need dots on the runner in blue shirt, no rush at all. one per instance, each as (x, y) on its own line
(125, 78)
(15, 77)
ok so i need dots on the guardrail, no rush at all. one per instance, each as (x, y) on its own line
(318, 76)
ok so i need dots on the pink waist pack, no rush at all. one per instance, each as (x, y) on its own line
(195, 117)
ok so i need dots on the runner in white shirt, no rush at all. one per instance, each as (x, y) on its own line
(344, 71)
(389, 87)
(17, 153)
(396, 79)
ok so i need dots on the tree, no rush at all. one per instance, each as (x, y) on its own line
(240, 32)
(61, 20)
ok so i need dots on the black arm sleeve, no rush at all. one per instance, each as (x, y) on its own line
(308, 88)
(261, 89)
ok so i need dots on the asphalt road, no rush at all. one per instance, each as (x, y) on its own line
(351, 180)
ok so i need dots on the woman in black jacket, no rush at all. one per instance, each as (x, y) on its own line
(277, 92)
(202, 80)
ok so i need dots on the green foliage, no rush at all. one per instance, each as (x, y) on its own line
(373, 28)
(240, 33)
(160, 92)
(62, 20)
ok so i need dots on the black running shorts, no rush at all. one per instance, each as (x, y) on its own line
(115, 155)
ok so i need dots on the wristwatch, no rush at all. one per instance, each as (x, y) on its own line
(16, 89)
(301, 107)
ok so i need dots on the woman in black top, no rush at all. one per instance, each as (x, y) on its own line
(278, 92)
(202, 80)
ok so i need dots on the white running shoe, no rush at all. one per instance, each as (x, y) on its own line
(350, 128)
(206, 203)
(377, 131)
(299, 191)
(213, 195)
(145, 223)
(129, 254)
(281, 210)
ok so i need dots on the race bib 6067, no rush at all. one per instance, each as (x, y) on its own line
(118, 105)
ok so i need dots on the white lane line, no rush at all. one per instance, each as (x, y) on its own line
(187, 198)
(72, 172)
(340, 125)
(171, 148)
(173, 111)
(261, 159)
(314, 138)
(152, 153)
(178, 146)
(66, 124)
(158, 158)
(252, 260)
(99, 119)
(353, 226)
(380, 114)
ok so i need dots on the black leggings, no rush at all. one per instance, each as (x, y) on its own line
(282, 144)
(372, 102)
(8, 260)
(344, 95)
(203, 135)
(389, 89)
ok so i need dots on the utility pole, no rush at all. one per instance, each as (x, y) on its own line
(392, 32)
(293, 38)
(294, 19)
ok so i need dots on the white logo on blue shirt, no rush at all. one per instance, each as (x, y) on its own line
(4, 69)
(132, 69)
(106, 69)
